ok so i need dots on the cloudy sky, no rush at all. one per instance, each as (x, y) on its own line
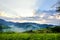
(29, 11)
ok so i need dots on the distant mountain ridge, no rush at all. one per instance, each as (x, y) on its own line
(26, 26)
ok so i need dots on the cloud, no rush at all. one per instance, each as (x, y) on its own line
(27, 11)
(4, 14)
(24, 12)
(55, 16)
(22, 8)
(42, 18)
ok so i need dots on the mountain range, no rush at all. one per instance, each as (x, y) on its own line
(26, 26)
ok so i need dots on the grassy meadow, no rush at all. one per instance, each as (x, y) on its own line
(41, 34)
(29, 36)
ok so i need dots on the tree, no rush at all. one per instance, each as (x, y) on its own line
(56, 29)
(0, 28)
(3, 27)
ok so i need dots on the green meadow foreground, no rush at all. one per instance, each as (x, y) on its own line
(47, 33)
(29, 36)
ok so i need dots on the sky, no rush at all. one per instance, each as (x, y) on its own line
(29, 11)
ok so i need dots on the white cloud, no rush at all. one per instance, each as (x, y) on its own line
(22, 8)
(23, 11)
(4, 14)
(51, 17)
(57, 16)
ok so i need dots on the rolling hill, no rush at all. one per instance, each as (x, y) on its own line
(23, 26)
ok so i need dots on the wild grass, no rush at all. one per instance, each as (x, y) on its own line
(30, 36)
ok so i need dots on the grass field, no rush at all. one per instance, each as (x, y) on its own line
(30, 36)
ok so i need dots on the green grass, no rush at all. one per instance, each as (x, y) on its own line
(30, 36)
